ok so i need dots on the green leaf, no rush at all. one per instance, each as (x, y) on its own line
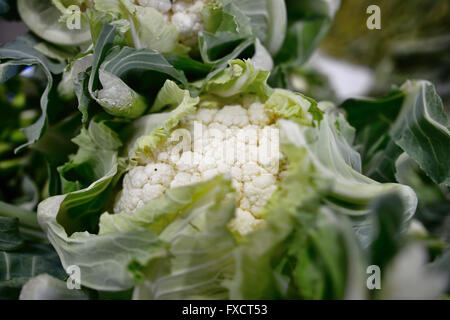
(200, 246)
(160, 126)
(103, 44)
(227, 33)
(67, 86)
(103, 260)
(158, 214)
(93, 168)
(110, 64)
(190, 67)
(260, 258)
(21, 52)
(294, 106)
(143, 26)
(424, 132)
(16, 267)
(10, 238)
(82, 93)
(122, 61)
(46, 287)
(330, 261)
(96, 155)
(44, 19)
(240, 77)
(372, 119)
(414, 122)
(388, 224)
(309, 23)
(122, 253)
(434, 204)
(268, 19)
(9, 70)
(4, 6)
(334, 158)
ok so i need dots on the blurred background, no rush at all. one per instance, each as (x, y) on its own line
(414, 42)
(10, 30)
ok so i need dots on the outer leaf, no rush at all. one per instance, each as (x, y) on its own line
(268, 19)
(240, 76)
(227, 33)
(424, 131)
(403, 264)
(109, 65)
(388, 224)
(416, 124)
(10, 238)
(17, 267)
(372, 119)
(67, 86)
(334, 159)
(199, 245)
(119, 62)
(9, 70)
(43, 18)
(144, 26)
(20, 51)
(46, 287)
(157, 132)
(4, 7)
(330, 262)
(93, 169)
(257, 274)
(96, 155)
(309, 23)
(103, 260)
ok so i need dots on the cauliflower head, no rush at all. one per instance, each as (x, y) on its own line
(239, 140)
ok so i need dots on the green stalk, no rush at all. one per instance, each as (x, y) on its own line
(32, 233)
(27, 218)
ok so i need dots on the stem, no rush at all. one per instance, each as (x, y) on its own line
(134, 35)
(39, 235)
(26, 217)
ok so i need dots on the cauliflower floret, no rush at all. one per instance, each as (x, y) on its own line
(257, 114)
(159, 173)
(245, 222)
(138, 178)
(152, 191)
(162, 6)
(235, 140)
(232, 116)
(206, 115)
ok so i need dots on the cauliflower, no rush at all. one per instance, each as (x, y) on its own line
(185, 15)
(237, 140)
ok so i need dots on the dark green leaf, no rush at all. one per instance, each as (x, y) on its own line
(10, 238)
(310, 22)
(82, 93)
(410, 120)
(388, 224)
(17, 267)
(4, 6)
(121, 61)
(227, 34)
(21, 52)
